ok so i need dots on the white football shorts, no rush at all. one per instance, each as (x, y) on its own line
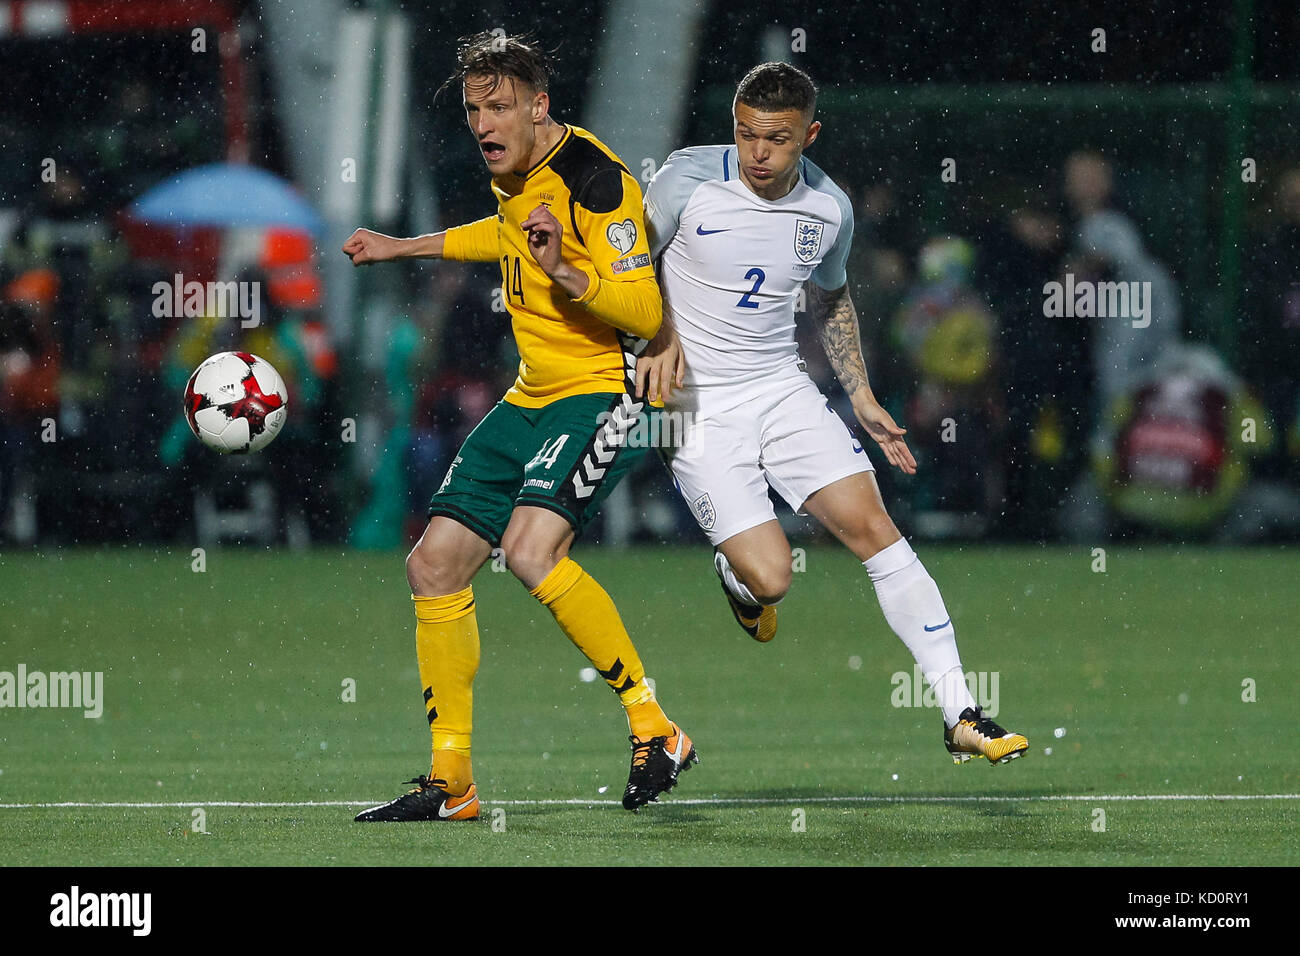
(778, 432)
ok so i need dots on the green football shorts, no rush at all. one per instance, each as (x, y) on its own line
(566, 457)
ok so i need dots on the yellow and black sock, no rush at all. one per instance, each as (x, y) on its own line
(446, 644)
(588, 617)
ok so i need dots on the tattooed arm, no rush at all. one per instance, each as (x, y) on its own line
(837, 324)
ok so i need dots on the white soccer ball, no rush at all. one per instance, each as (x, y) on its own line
(236, 403)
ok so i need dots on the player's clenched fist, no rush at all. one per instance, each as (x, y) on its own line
(544, 236)
(366, 246)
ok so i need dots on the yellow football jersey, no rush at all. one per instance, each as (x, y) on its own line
(570, 346)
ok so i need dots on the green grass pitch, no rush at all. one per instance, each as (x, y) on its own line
(227, 686)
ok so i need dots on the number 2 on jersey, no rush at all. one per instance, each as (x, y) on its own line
(746, 302)
(515, 289)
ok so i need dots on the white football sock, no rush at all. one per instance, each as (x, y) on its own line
(914, 609)
(734, 584)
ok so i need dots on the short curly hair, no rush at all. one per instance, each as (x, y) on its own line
(776, 87)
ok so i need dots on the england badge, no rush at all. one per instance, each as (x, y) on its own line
(807, 239)
(704, 513)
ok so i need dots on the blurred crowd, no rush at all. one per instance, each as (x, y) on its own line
(1035, 414)
(1029, 419)
(93, 445)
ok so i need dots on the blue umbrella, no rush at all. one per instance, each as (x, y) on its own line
(226, 194)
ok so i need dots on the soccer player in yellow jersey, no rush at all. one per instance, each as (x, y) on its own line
(569, 236)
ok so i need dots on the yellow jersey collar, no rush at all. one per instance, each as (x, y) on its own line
(541, 163)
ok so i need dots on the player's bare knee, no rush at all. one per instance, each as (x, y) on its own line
(432, 571)
(769, 584)
(417, 571)
(529, 559)
(881, 532)
(424, 573)
(870, 534)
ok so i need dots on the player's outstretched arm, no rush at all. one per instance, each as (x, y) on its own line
(473, 242)
(837, 323)
(365, 246)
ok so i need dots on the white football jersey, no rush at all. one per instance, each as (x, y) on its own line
(731, 264)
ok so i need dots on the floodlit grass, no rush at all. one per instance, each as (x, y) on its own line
(228, 686)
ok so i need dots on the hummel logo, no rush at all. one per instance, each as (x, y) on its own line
(701, 231)
(610, 438)
(939, 627)
(447, 810)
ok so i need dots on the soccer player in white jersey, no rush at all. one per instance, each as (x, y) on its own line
(737, 231)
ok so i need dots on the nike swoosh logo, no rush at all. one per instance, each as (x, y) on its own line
(939, 627)
(676, 753)
(447, 809)
(701, 231)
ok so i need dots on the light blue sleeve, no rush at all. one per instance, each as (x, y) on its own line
(830, 273)
(669, 191)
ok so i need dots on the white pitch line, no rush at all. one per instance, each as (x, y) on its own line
(689, 802)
